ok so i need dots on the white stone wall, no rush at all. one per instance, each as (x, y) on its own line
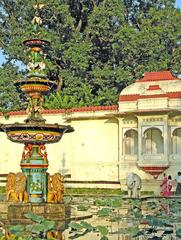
(89, 153)
(94, 151)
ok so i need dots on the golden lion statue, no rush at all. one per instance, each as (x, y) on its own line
(16, 187)
(54, 235)
(55, 188)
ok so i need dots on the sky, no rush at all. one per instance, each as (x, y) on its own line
(178, 3)
(2, 58)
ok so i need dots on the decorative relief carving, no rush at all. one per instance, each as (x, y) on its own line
(128, 122)
(42, 152)
(27, 151)
(145, 128)
(172, 129)
(128, 129)
(153, 119)
(176, 120)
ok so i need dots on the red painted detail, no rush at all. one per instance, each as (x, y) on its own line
(155, 171)
(49, 111)
(154, 87)
(131, 97)
(153, 96)
(174, 94)
(135, 97)
(26, 165)
(17, 113)
(157, 76)
(78, 109)
(145, 222)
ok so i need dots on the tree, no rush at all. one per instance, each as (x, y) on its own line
(9, 98)
(97, 46)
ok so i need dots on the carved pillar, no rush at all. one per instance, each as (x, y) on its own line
(140, 145)
(120, 140)
(165, 138)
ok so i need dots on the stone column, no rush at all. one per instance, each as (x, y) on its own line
(140, 145)
(165, 138)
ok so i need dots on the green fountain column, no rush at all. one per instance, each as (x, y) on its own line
(34, 165)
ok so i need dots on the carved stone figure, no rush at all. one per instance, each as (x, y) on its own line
(55, 188)
(11, 179)
(27, 151)
(54, 235)
(16, 187)
(34, 109)
(133, 182)
(42, 152)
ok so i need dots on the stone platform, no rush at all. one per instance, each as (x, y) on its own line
(13, 213)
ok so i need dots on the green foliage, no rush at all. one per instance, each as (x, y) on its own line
(113, 202)
(104, 212)
(85, 227)
(154, 221)
(97, 47)
(17, 228)
(133, 231)
(2, 189)
(75, 226)
(178, 233)
(41, 225)
(152, 205)
(107, 209)
(35, 228)
(34, 217)
(48, 225)
(92, 191)
(9, 98)
(103, 230)
(81, 207)
(104, 238)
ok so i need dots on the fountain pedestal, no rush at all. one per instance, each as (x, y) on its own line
(34, 165)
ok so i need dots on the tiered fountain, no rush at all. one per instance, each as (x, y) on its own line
(35, 133)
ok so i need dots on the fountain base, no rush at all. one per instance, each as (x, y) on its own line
(13, 213)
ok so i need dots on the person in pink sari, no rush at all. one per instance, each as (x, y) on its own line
(166, 186)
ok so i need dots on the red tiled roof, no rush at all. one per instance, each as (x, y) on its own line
(135, 97)
(17, 113)
(154, 87)
(157, 76)
(93, 108)
(78, 109)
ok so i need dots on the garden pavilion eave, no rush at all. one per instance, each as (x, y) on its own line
(170, 112)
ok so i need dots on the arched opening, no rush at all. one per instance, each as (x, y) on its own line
(153, 141)
(176, 141)
(130, 142)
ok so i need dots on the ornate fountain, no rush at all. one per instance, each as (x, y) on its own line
(35, 133)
